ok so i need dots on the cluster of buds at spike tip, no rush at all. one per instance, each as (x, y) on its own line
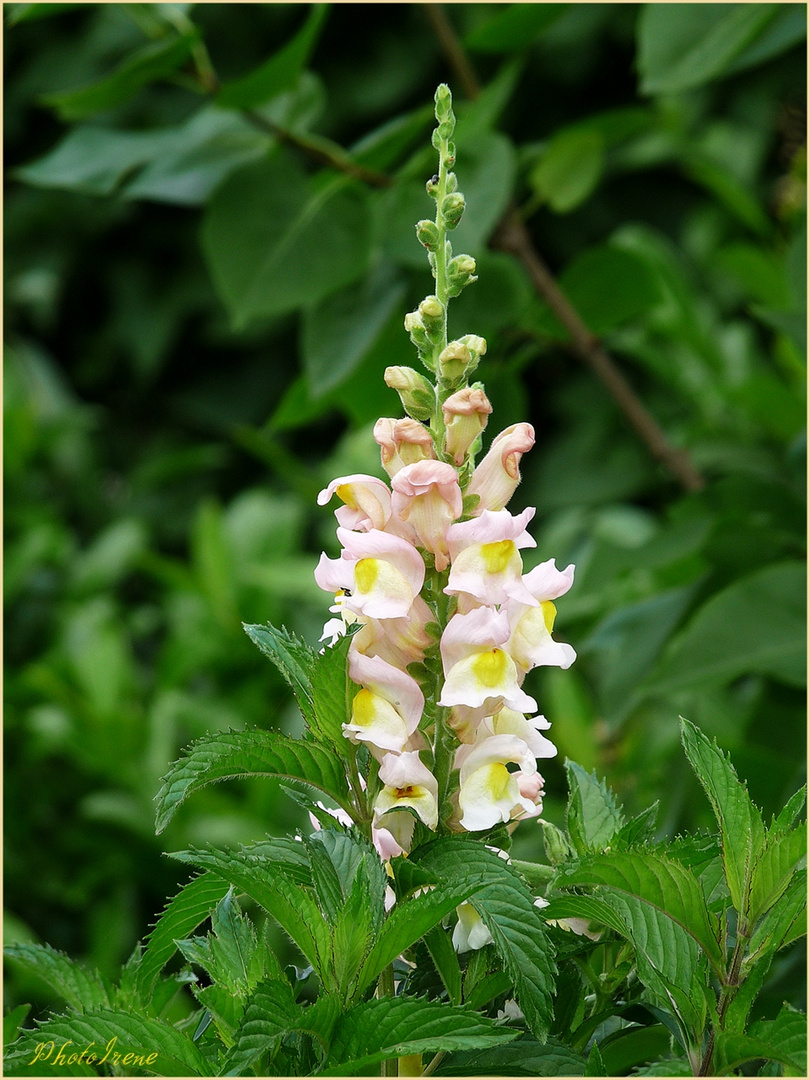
(446, 622)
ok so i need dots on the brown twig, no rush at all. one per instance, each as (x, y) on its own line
(512, 235)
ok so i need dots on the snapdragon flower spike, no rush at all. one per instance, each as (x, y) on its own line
(478, 673)
(530, 643)
(408, 782)
(367, 502)
(486, 563)
(381, 573)
(488, 792)
(497, 474)
(427, 496)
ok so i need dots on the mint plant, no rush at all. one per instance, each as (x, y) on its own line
(425, 948)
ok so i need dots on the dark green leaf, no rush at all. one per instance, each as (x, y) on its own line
(680, 48)
(786, 920)
(354, 927)
(275, 241)
(293, 658)
(444, 957)
(154, 61)
(773, 868)
(783, 1039)
(278, 73)
(513, 28)
(658, 881)
(13, 1021)
(569, 169)
(112, 1032)
(524, 1057)
(507, 909)
(724, 640)
(243, 754)
(395, 1027)
(338, 332)
(81, 986)
(270, 1013)
(741, 829)
(593, 817)
(790, 811)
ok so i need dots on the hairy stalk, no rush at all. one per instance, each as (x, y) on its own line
(731, 986)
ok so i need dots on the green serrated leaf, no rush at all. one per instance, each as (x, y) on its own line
(352, 854)
(293, 658)
(773, 869)
(741, 830)
(154, 61)
(444, 956)
(270, 1012)
(395, 1027)
(243, 754)
(593, 817)
(332, 692)
(353, 930)
(410, 920)
(13, 1021)
(409, 875)
(122, 1038)
(783, 1039)
(507, 909)
(525, 1056)
(80, 985)
(790, 811)
(661, 882)
(278, 73)
(640, 829)
(784, 922)
(235, 948)
(291, 906)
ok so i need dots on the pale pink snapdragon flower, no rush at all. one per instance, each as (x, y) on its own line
(465, 416)
(399, 641)
(402, 442)
(366, 499)
(478, 672)
(530, 642)
(408, 782)
(486, 562)
(380, 573)
(498, 474)
(488, 792)
(427, 496)
(387, 709)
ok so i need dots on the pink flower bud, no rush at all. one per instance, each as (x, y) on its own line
(367, 501)
(427, 496)
(497, 475)
(402, 442)
(465, 416)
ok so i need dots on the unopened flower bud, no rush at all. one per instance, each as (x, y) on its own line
(402, 442)
(432, 186)
(427, 234)
(465, 416)
(444, 101)
(477, 346)
(450, 156)
(497, 475)
(454, 362)
(432, 311)
(460, 272)
(557, 847)
(415, 392)
(451, 182)
(452, 209)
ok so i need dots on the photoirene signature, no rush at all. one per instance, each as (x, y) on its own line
(46, 1051)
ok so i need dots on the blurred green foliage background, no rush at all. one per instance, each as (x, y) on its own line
(199, 310)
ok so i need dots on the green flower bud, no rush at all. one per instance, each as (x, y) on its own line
(452, 208)
(446, 127)
(454, 362)
(476, 345)
(427, 234)
(557, 847)
(416, 329)
(415, 392)
(444, 101)
(450, 156)
(452, 182)
(432, 186)
(432, 311)
(460, 272)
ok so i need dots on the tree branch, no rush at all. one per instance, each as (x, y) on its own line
(512, 235)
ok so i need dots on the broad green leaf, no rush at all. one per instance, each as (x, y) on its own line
(326, 882)
(13, 1021)
(116, 1038)
(790, 811)
(350, 855)
(280, 71)
(291, 906)
(80, 985)
(270, 1013)
(658, 881)
(774, 867)
(569, 169)
(410, 920)
(293, 658)
(784, 31)
(786, 920)
(443, 955)
(244, 754)
(409, 875)
(783, 1039)
(640, 829)
(623, 1050)
(682, 47)
(353, 930)
(592, 908)
(727, 638)
(507, 909)
(395, 1027)
(593, 817)
(275, 241)
(337, 333)
(525, 1056)
(235, 947)
(154, 61)
(226, 1009)
(741, 829)
(94, 160)
(513, 28)
(608, 286)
